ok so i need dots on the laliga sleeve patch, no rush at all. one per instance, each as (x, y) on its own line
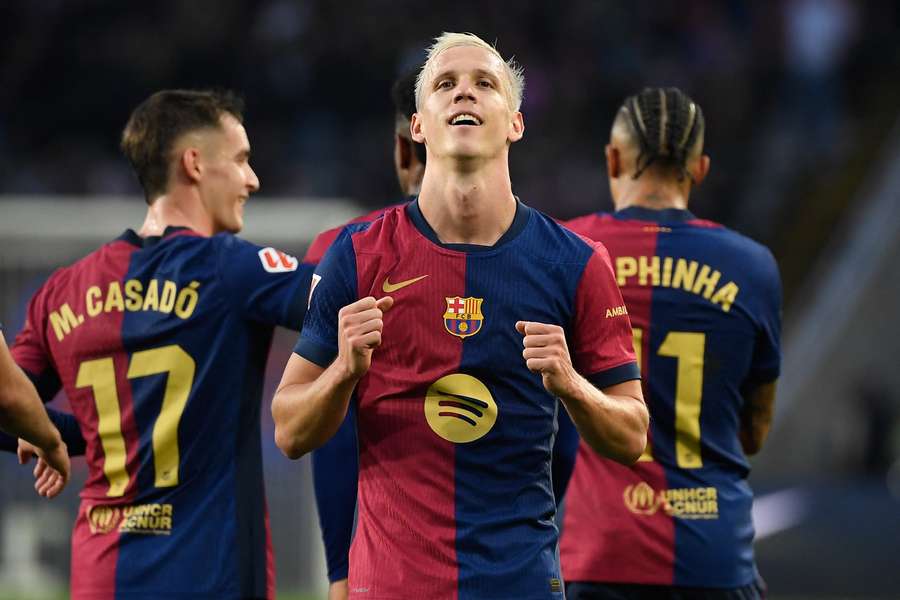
(276, 261)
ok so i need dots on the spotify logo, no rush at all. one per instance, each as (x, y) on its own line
(459, 408)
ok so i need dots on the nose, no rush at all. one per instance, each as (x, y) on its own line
(252, 180)
(464, 91)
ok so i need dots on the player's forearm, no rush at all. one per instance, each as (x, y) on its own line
(22, 415)
(306, 415)
(754, 431)
(613, 424)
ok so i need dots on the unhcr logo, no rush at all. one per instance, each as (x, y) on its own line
(641, 499)
(103, 519)
(683, 503)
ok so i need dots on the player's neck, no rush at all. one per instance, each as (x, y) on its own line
(653, 194)
(471, 207)
(173, 210)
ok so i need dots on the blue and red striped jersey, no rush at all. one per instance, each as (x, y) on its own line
(455, 433)
(705, 303)
(160, 344)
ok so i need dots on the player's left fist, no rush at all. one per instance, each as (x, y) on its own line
(547, 353)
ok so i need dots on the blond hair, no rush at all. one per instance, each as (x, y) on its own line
(513, 84)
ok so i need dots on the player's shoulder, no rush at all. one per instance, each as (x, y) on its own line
(101, 256)
(590, 223)
(553, 241)
(725, 239)
(379, 235)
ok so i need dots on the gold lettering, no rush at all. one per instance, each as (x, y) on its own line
(64, 321)
(187, 300)
(726, 295)
(667, 271)
(165, 522)
(133, 291)
(151, 298)
(648, 266)
(90, 298)
(167, 510)
(706, 281)
(167, 300)
(684, 274)
(114, 298)
(626, 266)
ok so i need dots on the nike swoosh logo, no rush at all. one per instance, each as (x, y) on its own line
(387, 287)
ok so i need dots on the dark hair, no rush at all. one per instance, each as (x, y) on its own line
(403, 93)
(667, 124)
(160, 120)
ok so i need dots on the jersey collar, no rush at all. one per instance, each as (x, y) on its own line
(523, 213)
(664, 215)
(134, 239)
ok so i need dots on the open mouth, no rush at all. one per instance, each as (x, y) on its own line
(465, 119)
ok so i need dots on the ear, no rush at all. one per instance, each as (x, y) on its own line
(190, 164)
(415, 129)
(516, 127)
(700, 169)
(613, 162)
(403, 151)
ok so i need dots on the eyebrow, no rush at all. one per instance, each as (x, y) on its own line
(452, 72)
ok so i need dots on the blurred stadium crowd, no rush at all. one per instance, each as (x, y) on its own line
(791, 88)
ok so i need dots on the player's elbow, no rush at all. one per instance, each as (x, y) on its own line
(631, 440)
(631, 449)
(634, 439)
(290, 445)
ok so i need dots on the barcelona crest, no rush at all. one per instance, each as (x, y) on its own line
(463, 317)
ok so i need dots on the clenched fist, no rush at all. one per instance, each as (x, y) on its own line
(359, 332)
(547, 353)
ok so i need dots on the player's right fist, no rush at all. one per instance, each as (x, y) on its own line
(359, 332)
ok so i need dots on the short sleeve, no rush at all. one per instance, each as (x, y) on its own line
(30, 349)
(266, 284)
(766, 365)
(601, 332)
(333, 287)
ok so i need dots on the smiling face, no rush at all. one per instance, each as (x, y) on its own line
(464, 111)
(228, 180)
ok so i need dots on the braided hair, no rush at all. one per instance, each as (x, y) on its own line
(667, 124)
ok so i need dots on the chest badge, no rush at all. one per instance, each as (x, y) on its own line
(463, 316)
